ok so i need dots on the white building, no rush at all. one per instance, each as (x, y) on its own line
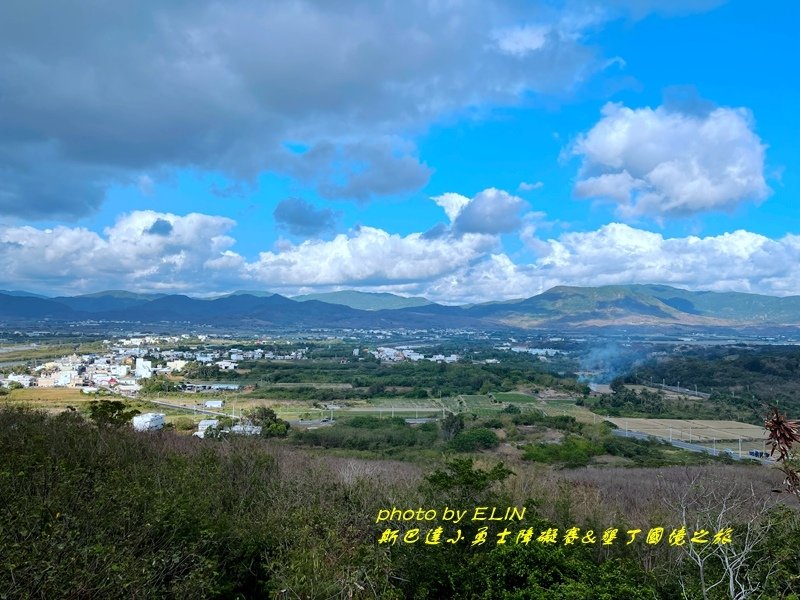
(214, 403)
(206, 423)
(66, 378)
(144, 368)
(246, 429)
(176, 365)
(148, 422)
(23, 380)
(203, 426)
(119, 370)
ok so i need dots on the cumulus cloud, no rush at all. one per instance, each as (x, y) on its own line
(491, 211)
(195, 253)
(368, 256)
(302, 218)
(664, 162)
(617, 253)
(452, 204)
(142, 250)
(95, 96)
(495, 277)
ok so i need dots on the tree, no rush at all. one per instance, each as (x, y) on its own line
(110, 413)
(461, 481)
(271, 425)
(475, 439)
(157, 383)
(740, 567)
(451, 425)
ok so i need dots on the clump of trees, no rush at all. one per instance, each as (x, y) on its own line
(475, 438)
(629, 402)
(157, 383)
(111, 413)
(271, 425)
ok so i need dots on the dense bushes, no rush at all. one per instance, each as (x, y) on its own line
(104, 512)
(92, 512)
(560, 422)
(477, 438)
(573, 451)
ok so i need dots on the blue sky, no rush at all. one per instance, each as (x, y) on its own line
(466, 151)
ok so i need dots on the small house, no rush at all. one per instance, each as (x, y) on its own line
(148, 422)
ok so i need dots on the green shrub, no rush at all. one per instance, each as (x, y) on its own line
(573, 451)
(477, 438)
(183, 423)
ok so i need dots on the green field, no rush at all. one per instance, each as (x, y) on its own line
(554, 408)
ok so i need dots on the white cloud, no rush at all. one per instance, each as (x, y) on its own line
(142, 250)
(529, 187)
(368, 256)
(617, 253)
(519, 41)
(146, 250)
(452, 204)
(668, 163)
(490, 211)
(496, 277)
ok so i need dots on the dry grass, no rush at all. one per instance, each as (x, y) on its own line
(699, 430)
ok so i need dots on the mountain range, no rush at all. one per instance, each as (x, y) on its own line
(563, 307)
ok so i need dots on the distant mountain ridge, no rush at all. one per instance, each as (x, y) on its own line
(366, 300)
(640, 305)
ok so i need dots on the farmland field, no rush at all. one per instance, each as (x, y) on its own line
(554, 408)
(692, 430)
(35, 394)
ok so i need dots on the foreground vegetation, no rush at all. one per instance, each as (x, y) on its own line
(99, 511)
